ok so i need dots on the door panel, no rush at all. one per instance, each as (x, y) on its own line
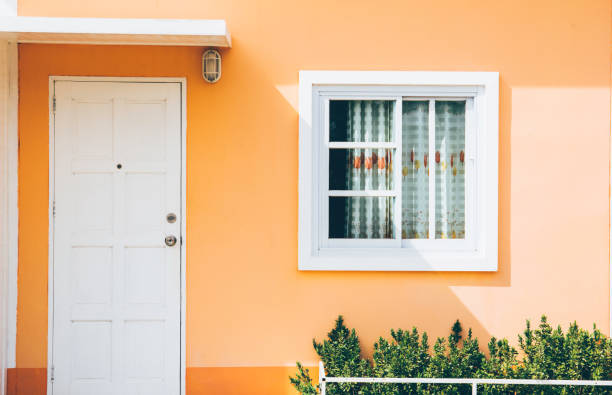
(116, 321)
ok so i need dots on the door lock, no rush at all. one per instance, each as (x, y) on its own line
(170, 240)
(171, 218)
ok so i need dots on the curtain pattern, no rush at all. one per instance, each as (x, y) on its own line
(370, 217)
(415, 170)
(450, 169)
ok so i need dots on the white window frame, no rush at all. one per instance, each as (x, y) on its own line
(478, 252)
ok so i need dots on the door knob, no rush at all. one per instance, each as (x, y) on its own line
(170, 240)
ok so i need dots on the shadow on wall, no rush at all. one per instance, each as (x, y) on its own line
(287, 308)
(248, 305)
(431, 298)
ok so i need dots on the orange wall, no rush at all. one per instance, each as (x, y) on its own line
(247, 305)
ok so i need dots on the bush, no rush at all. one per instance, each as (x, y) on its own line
(546, 353)
(341, 355)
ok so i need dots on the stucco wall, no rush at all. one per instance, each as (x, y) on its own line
(247, 305)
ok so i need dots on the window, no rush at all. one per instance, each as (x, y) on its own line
(398, 171)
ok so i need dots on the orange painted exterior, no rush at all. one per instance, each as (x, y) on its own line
(248, 307)
(199, 381)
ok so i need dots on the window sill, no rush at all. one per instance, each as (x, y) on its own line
(372, 259)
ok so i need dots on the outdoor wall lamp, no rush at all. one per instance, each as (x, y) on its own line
(211, 65)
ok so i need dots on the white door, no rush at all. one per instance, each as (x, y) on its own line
(116, 296)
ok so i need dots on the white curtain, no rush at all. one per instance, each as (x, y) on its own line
(372, 169)
(450, 170)
(370, 217)
(449, 167)
(415, 170)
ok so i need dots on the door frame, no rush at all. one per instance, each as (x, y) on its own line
(183, 244)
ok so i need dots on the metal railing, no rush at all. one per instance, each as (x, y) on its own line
(324, 380)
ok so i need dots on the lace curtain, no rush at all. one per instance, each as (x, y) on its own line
(370, 217)
(450, 170)
(358, 169)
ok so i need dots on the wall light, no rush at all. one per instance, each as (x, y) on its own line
(211, 65)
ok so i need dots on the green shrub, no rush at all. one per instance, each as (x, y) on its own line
(341, 355)
(502, 363)
(575, 355)
(302, 381)
(546, 353)
(406, 355)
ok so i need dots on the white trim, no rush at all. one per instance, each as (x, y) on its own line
(8, 7)
(4, 218)
(313, 249)
(373, 145)
(183, 239)
(50, 282)
(432, 174)
(13, 207)
(366, 192)
(8, 206)
(183, 244)
(196, 32)
(397, 171)
(463, 81)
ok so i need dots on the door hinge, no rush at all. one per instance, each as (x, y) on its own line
(52, 373)
(54, 104)
(53, 209)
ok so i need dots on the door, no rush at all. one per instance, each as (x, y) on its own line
(116, 282)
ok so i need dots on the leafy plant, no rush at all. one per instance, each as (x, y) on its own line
(303, 382)
(341, 356)
(406, 355)
(574, 355)
(546, 353)
(502, 363)
(459, 361)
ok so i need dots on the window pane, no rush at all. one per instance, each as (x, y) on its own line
(415, 170)
(361, 217)
(360, 169)
(361, 120)
(450, 169)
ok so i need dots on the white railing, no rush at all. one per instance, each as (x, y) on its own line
(324, 380)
